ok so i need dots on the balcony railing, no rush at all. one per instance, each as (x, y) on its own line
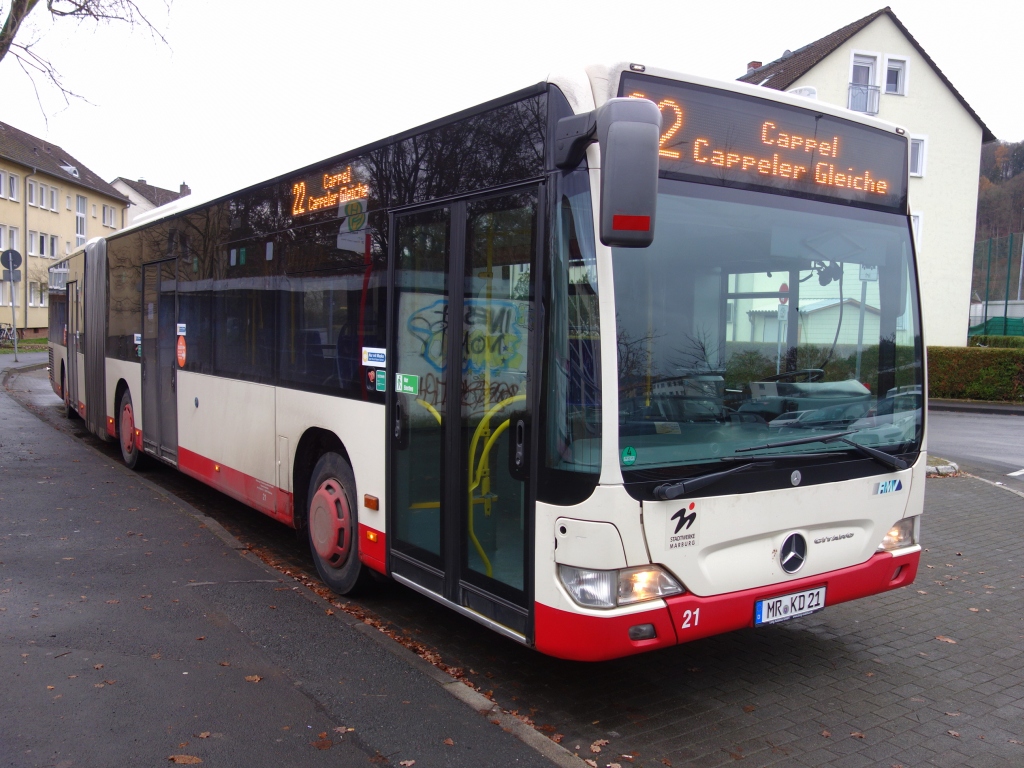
(863, 98)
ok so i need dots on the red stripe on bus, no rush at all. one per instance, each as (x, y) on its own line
(631, 223)
(371, 548)
(735, 610)
(266, 498)
(586, 637)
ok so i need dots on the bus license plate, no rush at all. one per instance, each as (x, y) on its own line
(788, 606)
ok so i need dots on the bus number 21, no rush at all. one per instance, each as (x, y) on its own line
(691, 618)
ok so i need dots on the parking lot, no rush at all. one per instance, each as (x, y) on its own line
(926, 675)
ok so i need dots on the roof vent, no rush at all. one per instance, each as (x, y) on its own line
(69, 168)
(787, 53)
(142, 181)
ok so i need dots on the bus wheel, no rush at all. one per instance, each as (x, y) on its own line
(69, 412)
(332, 525)
(126, 431)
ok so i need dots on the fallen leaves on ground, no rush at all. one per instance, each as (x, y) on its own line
(596, 746)
(203, 735)
(252, 678)
(591, 763)
(557, 737)
(954, 734)
(749, 708)
(94, 666)
(322, 742)
(827, 734)
(407, 763)
(945, 639)
(184, 759)
(857, 735)
(449, 743)
(343, 729)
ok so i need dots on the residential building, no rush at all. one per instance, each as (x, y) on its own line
(144, 197)
(50, 203)
(875, 66)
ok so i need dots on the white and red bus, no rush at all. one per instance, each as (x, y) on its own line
(618, 361)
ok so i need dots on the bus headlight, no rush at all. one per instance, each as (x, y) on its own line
(899, 536)
(608, 589)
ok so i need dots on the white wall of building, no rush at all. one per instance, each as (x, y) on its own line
(946, 196)
(138, 204)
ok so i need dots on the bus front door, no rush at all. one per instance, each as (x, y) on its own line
(461, 510)
(159, 398)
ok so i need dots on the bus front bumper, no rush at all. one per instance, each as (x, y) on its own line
(589, 637)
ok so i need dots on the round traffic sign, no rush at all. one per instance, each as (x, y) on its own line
(10, 259)
(784, 289)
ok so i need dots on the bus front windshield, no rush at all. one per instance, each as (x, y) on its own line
(755, 319)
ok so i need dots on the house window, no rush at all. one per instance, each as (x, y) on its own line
(69, 202)
(3, 185)
(80, 208)
(94, 211)
(53, 199)
(12, 238)
(918, 145)
(896, 77)
(109, 213)
(42, 244)
(54, 240)
(12, 186)
(33, 291)
(31, 193)
(863, 90)
(32, 235)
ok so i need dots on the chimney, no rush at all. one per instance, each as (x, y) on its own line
(184, 190)
(142, 181)
(752, 65)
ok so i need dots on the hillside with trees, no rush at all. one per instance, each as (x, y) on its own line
(1001, 190)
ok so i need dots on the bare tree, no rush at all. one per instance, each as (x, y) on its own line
(34, 64)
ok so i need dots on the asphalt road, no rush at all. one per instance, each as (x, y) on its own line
(929, 675)
(987, 445)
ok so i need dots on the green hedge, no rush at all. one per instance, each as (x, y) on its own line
(976, 373)
(996, 341)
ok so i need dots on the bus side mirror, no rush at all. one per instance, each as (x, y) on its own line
(628, 132)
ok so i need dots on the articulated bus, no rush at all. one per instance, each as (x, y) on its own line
(618, 361)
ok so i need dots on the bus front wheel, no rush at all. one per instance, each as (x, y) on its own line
(126, 431)
(332, 525)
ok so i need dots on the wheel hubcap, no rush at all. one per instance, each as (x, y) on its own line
(127, 429)
(330, 523)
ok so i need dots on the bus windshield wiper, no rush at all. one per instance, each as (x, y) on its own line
(886, 459)
(668, 491)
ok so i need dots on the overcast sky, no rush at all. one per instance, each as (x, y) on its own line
(242, 92)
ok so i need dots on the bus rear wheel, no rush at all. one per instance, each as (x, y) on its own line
(126, 431)
(332, 525)
(69, 412)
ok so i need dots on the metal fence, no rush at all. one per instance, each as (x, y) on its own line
(997, 287)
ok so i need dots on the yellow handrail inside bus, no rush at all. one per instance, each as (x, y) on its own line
(430, 408)
(481, 473)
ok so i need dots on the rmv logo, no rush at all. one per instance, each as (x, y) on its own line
(889, 486)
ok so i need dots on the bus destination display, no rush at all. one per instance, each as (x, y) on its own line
(736, 139)
(326, 190)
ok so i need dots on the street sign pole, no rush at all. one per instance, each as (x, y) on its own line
(10, 260)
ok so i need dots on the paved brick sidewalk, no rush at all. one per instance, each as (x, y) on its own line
(871, 674)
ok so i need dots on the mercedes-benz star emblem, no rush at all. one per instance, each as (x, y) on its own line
(793, 553)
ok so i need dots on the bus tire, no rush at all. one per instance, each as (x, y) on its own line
(69, 412)
(130, 452)
(332, 525)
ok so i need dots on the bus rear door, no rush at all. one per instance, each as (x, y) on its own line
(159, 397)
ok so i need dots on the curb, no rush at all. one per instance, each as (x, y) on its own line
(976, 406)
(942, 470)
(533, 738)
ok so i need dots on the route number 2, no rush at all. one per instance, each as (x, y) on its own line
(691, 618)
